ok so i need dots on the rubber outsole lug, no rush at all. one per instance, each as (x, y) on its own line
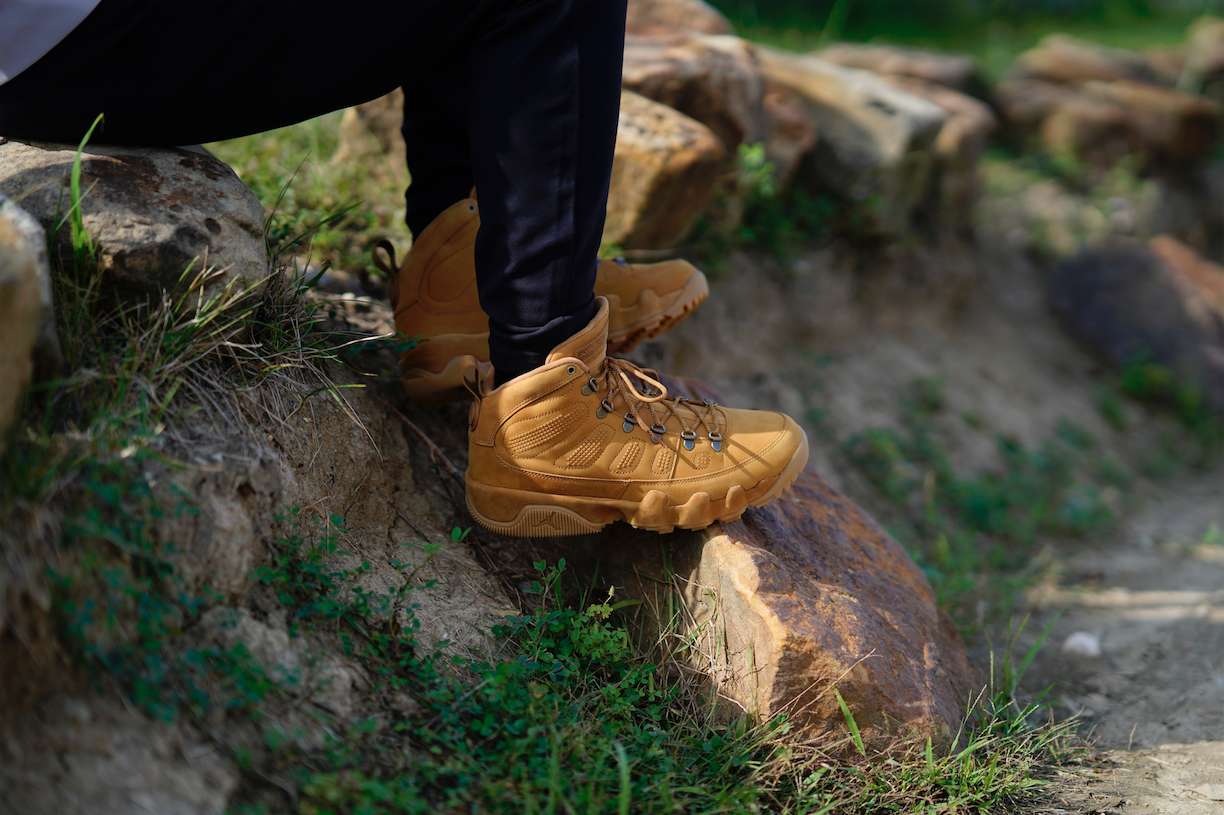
(653, 513)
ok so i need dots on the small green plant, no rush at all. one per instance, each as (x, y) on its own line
(976, 535)
(1148, 381)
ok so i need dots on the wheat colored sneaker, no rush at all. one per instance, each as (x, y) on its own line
(434, 296)
(587, 439)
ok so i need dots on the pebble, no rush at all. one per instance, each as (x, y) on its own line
(1082, 644)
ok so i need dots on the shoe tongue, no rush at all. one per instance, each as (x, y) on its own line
(591, 343)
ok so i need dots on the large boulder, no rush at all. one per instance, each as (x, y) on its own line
(24, 298)
(1176, 129)
(663, 172)
(1061, 58)
(803, 596)
(956, 71)
(1065, 121)
(960, 143)
(1099, 122)
(1130, 303)
(696, 15)
(1204, 60)
(713, 79)
(1202, 275)
(155, 213)
(875, 140)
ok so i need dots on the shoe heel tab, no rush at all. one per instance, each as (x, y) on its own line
(471, 377)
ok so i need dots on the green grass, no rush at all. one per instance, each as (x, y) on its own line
(290, 170)
(569, 717)
(994, 32)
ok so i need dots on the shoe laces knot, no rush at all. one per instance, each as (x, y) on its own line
(619, 376)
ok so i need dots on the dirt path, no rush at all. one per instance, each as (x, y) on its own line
(1152, 594)
(1153, 698)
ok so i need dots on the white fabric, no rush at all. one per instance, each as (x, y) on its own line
(31, 28)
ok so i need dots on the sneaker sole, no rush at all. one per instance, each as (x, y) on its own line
(433, 371)
(536, 515)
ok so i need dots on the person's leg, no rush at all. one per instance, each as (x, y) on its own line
(436, 136)
(542, 120)
(184, 73)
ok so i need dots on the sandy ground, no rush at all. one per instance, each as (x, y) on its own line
(1153, 699)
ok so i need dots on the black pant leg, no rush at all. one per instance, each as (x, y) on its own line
(167, 72)
(542, 125)
(438, 154)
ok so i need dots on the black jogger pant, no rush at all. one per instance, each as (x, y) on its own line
(519, 97)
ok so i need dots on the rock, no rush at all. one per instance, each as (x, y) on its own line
(1065, 121)
(25, 297)
(101, 757)
(370, 134)
(692, 14)
(1060, 58)
(664, 170)
(874, 140)
(955, 71)
(1207, 278)
(1176, 129)
(713, 79)
(790, 133)
(154, 212)
(802, 596)
(1168, 63)
(1082, 644)
(1126, 303)
(960, 143)
(1204, 67)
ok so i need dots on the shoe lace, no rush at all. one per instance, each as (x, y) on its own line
(618, 376)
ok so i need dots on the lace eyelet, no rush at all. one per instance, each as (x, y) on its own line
(571, 370)
(629, 424)
(690, 438)
(716, 441)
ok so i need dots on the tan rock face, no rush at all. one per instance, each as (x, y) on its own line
(874, 140)
(696, 15)
(954, 71)
(805, 595)
(22, 268)
(1204, 62)
(665, 167)
(961, 141)
(713, 79)
(154, 212)
(370, 133)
